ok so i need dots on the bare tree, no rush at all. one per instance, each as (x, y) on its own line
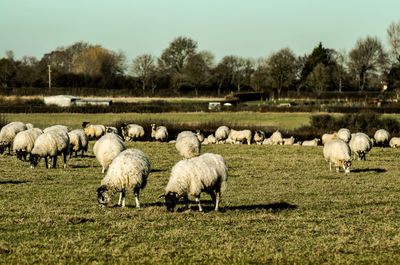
(367, 56)
(339, 71)
(318, 79)
(393, 33)
(143, 67)
(260, 75)
(282, 68)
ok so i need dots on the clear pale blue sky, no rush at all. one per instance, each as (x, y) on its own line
(251, 28)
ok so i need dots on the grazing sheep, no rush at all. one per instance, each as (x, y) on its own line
(288, 141)
(240, 137)
(221, 134)
(49, 145)
(276, 138)
(338, 152)
(200, 136)
(93, 131)
(57, 127)
(326, 137)
(129, 170)
(78, 141)
(110, 129)
(344, 134)
(382, 137)
(210, 139)
(267, 141)
(311, 142)
(24, 142)
(188, 145)
(259, 137)
(207, 172)
(8, 133)
(394, 142)
(159, 133)
(360, 145)
(132, 132)
(107, 148)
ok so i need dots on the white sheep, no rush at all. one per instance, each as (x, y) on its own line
(276, 138)
(129, 170)
(29, 125)
(107, 148)
(8, 133)
(344, 134)
(200, 136)
(78, 141)
(132, 132)
(313, 142)
(207, 172)
(210, 139)
(288, 141)
(159, 133)
(56, 128)
(188, 145)
(24, 142)
(382, 137)
(111, 129)
(338, 152)
(267, 141)
(48, 145)
(326, 137)
(259, 137)
(360, 145)
(394, 142)
(221, 134)
(93, 131)
(239, 137)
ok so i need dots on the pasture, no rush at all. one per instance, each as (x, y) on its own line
(282, 205)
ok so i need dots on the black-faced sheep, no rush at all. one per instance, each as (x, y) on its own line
(78, 141)
(344, 134)
(338, 152)
(129, 170)
(259, 137)
(381, 137)
(24, 142)
(132, 132)
(93, 131)
(188, 145)
(207, 172)
(159, 133)
(360, 145)
(221, 134)
(8, 133)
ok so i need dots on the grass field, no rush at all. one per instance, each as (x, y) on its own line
(282, 205)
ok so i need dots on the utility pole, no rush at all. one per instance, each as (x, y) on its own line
(49, 76)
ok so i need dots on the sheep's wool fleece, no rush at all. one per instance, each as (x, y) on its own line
(128, 170)
(45, 145)
(337, 150)
(107, 148)
(25, 140)
(360, 142)
(9, 131)
(197, 174)
(188, 145)
(222, 132)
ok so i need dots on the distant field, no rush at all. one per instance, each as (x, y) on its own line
(282, 205)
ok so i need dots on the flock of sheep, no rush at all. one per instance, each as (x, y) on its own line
(128, 169)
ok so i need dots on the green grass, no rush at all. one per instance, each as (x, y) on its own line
(282, 205)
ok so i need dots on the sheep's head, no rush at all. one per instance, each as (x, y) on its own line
(103, 196)
(346, 166)
(153, 126)
(85, 124)
(34, 160)
(171, 199)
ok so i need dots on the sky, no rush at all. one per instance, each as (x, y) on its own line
(245, 28)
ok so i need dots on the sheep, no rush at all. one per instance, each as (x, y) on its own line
(208, 172)
(276, 138)
(338, 152)
(200, 136)
(78, 141)
(129, 170)
(394, 142)
(159, 133)
(382, 137)
(344, 134)
(210, 139)
(8, 133)
(24, 142)
(111, 129)
(93, 131)
(221, 134)
(240, 136)
(50, 144)
(259, 137)
(29, 126)
(267, 141)
(288, 141)
(360, 145)
(57, 127)
(326, 137)
(313, 142)
(132, 132)
(107, 148)
(188, 145)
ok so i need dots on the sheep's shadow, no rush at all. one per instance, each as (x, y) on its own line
(276, 206)
(79, 166)
(13, 181)
(158, 170)
(376, 170)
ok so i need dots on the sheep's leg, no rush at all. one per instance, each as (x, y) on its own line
(330, 166)
(47, 161)
(82, 152)
(55, 162)
(198, 201)
(218, 192)
(65, 159)
(103, 170)
(212, 194)
(136, 192)
(186, 199)
(121, 201)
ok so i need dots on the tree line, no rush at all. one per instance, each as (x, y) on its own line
(184, 70)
